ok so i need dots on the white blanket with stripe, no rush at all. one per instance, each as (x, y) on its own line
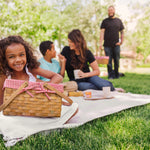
(15, 128)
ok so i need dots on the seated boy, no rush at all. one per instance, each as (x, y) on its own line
(48, 62)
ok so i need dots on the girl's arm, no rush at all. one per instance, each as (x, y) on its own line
(54, 77)
(2, 79)
(95, 71)
(62, 60)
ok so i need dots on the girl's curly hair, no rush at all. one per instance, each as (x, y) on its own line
(4, 43)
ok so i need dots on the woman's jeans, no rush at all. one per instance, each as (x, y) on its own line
(113, 53)
(94, 82)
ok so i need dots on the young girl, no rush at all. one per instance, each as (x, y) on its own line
(79, 57)
(18, 62)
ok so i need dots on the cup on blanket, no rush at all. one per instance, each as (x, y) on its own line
(106, 92)
(88, 94)
(76, 73)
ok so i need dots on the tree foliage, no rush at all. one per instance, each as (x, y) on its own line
(143, 34)
(37, 20)
(139, 39)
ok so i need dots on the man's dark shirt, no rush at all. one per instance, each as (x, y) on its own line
(112, 28)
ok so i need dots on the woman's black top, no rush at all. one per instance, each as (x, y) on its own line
(69, 68)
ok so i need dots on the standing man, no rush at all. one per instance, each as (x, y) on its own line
(110, 29)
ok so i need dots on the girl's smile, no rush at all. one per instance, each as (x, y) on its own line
(16, 57)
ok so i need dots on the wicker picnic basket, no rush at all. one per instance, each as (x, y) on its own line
(70, 86)
(37, 99)
(102, 59)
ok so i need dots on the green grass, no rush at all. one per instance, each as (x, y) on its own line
(126, 130)
(147, 65)
(134, 83)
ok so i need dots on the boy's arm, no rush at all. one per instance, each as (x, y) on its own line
(62, 60)
(54, 77)
(2, 79)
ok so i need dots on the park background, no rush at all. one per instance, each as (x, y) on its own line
(38, 20)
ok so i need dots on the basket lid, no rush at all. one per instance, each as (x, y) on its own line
(15, 84)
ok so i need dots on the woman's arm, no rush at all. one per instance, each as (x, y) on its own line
(2, 79)
(54, 77)
(95, 71)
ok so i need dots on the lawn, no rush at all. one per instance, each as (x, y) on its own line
(126, 130)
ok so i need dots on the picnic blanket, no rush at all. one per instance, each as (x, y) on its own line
(15, 128)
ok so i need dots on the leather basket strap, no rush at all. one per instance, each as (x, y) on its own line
(60, 94)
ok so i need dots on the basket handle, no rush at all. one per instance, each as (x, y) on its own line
(102, 53)
(10, 99)
(60, 94)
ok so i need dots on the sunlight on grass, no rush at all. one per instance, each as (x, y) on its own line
(126, 130)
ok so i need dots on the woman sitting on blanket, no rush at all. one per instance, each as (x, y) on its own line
(18, 62)
(78, 56)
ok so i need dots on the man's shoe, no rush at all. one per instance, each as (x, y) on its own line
(121, 74)
(117, 77)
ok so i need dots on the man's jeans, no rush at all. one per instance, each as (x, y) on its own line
(113, 53)
(94, 82)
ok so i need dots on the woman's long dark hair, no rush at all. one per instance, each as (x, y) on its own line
(77, 38)
(4, 43)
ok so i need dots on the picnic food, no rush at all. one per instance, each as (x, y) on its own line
(76, 94)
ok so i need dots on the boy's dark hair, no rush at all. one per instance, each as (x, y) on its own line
(44, 46)
(4, 43)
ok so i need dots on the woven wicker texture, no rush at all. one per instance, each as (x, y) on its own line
(32, 103)
(70, 86)
(102, 59)
(39, 105)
